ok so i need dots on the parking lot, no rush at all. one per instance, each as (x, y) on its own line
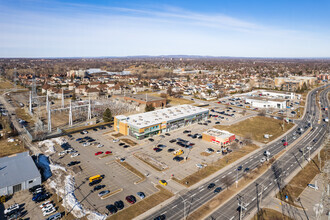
(117, 179)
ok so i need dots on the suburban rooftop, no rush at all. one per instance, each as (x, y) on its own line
(158, 116)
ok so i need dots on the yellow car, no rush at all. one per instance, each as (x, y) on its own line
(163, 182)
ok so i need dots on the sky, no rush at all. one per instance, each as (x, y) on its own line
(98, 28)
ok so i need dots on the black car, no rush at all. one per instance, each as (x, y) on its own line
(186, 131)
(98, 187)
(69, 135)
(72, 163)
(94, 129)
(210, 186)
(112, 209)
(217, 190)
(167, 134)
(151, 139)
(170, 150)
(42, 198)
(160, 217)
(246, 169)
(126, 146)
(119, 204)
(121, 144)
(95, 182)
(239, 168)
(172, 141)
(177, 158)
(32, 189)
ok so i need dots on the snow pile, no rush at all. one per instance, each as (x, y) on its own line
(96, 216)
(56, 167)
(50, 144)
(70, 199)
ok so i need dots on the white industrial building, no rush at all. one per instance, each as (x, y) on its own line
(18, 172)
(258, 102)
(279, 95)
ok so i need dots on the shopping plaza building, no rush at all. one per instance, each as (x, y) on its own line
(219, 137)
(160, 121)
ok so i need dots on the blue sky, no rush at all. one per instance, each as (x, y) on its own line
(91, 28)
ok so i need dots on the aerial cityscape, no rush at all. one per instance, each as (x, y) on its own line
(154, 110)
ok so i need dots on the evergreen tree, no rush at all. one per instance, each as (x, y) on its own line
(107, 115)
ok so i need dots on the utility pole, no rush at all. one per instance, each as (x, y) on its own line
(49, 119)
(241, 206)
(70, 115)
(62, 98)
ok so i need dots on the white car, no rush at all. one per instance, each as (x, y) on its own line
(294, 137)
(115, 140)
(85, 132)
(62, 153)
(74, 155)
(47, 207)
(11, 208)
(313, 186)
(100, 145)
(49, 211)
(45, 203)
(262, 160)
(86, 144)
(218, 152)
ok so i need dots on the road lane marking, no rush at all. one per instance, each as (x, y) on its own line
(223, 177)
(201, 190)
(254, 199)
(230, 172)
(174, 206)
(193, 195)
(216, 181)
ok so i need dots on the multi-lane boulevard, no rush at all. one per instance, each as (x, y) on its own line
(312, 138)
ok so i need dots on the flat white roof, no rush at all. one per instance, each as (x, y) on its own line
(264, 100)
(167, 114)
(218, 133)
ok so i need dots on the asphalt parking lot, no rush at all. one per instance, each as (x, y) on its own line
(117, 177)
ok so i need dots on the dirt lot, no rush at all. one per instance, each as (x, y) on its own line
(297, 185)
(9, 148)
(256, 127)
(217, 165)
(270, 214)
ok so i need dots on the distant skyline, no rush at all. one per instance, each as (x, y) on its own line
(87, 28)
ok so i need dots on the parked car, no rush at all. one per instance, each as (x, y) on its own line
(172, 141)
(157, 149)
(119, 204)
(151, 139)
(72, 163)
(108, 152)
(55, 216)
(32, 189)
(49, 211)
(112, 209)
(177, 158)
(11, 209)
(74, 155)
(100, 145)
(94, 182)
(115, 140)
(161, 145)
(131, 199)
(103, 193)
(170, 150)
(167, 134)
(121, 144)
(313, 186)
(163, 182)
(98, 187)
(141, 195)
(98, 153)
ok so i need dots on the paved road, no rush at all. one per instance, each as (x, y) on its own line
(193, 199)
(14, 120)
(291, 160)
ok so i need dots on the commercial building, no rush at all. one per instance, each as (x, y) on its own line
(218, 137)
(292, 83)
(18, 172)
(258, 102)
(159, 121)
(143, 99)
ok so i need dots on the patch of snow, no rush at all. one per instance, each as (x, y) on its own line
(96, 216)
(56, 167)
(70, 199)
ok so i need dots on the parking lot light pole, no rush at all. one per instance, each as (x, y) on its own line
(236, 177)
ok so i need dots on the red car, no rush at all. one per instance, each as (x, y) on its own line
(98, 153)
(131, 199)
(285, 144)
(108, 152)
